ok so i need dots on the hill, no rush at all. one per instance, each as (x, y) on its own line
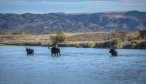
(89, 22)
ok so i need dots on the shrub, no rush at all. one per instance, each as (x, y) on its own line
(142, 33)
(141, 45)
(59, 38)
(110, 43)
(86, 45)
(130, 45)
(66, 45)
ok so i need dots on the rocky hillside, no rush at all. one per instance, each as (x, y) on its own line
(54, 22)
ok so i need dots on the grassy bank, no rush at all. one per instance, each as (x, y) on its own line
(71, 38)
(86, 40)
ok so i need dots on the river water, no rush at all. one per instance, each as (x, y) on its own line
(74, 66)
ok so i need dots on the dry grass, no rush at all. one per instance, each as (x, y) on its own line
(91, 36)
(23, 39)
(71, 38)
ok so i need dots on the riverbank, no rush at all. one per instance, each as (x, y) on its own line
(44, 39)
(85, 40)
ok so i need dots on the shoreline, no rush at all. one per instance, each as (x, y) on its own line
(64, 46)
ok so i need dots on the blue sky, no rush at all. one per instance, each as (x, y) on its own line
(70, 6)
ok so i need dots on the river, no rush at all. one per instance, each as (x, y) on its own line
(74, 66)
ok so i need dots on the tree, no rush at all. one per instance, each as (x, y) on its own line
(142, 33)
(59, 38)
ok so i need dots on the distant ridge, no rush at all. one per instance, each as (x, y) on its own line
(74, 22)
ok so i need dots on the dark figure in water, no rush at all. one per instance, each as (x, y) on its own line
(29, 51)
(55, 51)
(113, 52)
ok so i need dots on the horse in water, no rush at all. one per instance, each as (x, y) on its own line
(55, 51)
(29, 51)
(113, 52)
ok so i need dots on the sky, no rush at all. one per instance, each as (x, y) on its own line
(70, 6)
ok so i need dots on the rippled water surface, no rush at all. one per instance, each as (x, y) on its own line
(75, 66)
